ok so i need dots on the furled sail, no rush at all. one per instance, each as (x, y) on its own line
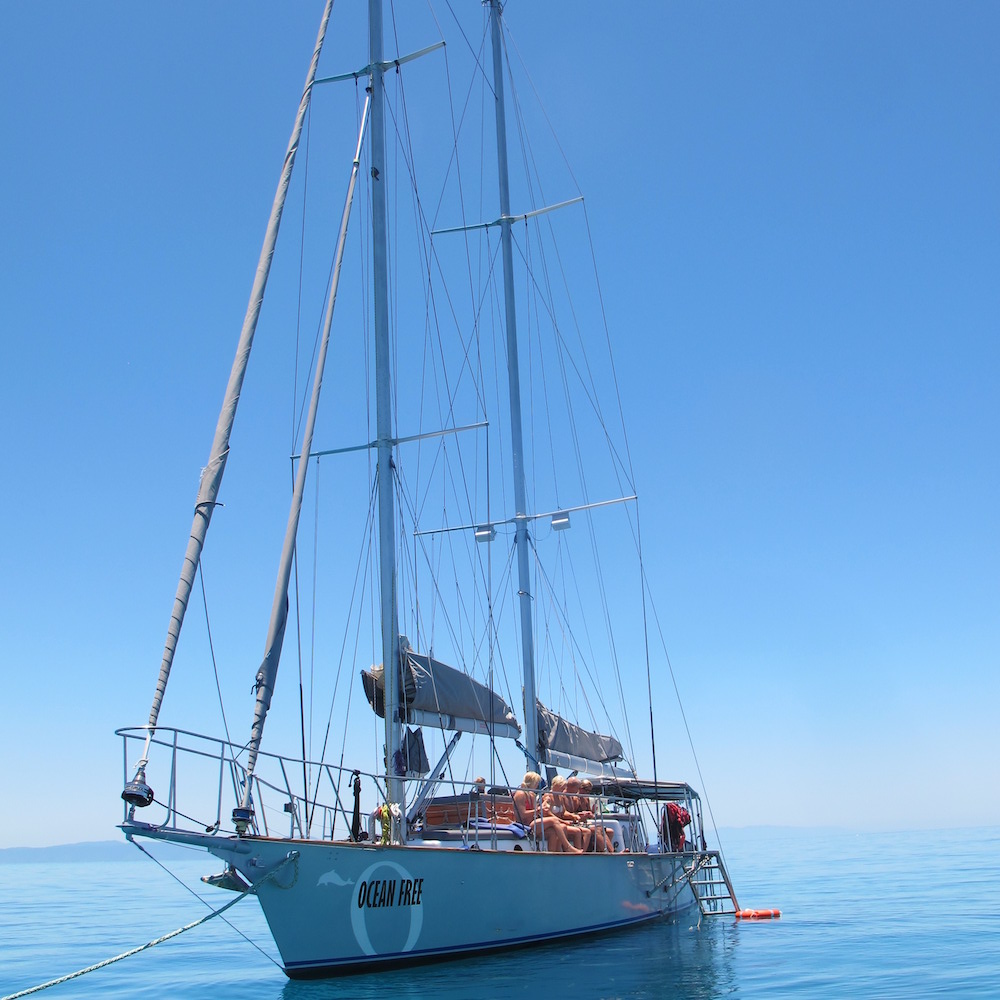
(559, 736)
(442, 697)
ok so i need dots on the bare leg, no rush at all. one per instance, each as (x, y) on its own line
(569, 845)
(600, 843)
(555, 836)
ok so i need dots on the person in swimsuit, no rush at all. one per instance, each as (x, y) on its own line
(576, 800)
(532, 816)
(563, 805)
(581, 804)
(604, 840)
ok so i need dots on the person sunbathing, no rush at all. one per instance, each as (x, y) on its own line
(604, 840)
(584, 809)
(563, 805)
(532, 815)
(576, 800)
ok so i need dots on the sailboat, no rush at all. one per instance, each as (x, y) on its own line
(357, 865)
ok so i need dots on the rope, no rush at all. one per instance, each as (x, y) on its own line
(680, 705)
(292, 855)
(188, 888)
(211, 650)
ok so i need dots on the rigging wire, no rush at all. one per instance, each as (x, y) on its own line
(483, 75)
(450, 394)
(541, 107)
(568, 634)
(302, 249)
(628, 468)
(645, 636)
(429, 255)
(454, 631)
(314, 601)
(211, 650)
(607, 339)
(360, 576)
(296, 425)
(404, 133)
(588, 390)
(298, 644)
(687, 728)
(544, 292)
(533, 172)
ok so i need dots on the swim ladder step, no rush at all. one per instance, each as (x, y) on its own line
(711, 885)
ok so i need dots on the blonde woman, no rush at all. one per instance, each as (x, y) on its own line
(532, 815)
(562, 805)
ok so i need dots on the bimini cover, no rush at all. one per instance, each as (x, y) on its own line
(557, 735)
(443, 697)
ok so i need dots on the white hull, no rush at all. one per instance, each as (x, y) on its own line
(340, 907)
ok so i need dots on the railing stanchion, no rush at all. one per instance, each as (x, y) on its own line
(222, 772)
(172, 793)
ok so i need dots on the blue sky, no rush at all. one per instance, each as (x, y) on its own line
(796, 213)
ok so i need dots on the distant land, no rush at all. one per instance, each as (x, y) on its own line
(95, 850)
(119, 850)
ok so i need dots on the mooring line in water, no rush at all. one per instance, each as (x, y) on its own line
(188, 888)
(292, 855)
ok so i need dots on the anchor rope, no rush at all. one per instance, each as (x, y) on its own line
(188, 888)
(292, 855)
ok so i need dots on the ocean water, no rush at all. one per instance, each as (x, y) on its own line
(863, 915)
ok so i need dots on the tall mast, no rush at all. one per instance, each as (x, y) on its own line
(383, 412)
(514, 382)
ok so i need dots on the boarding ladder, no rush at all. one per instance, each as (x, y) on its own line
(710, 883)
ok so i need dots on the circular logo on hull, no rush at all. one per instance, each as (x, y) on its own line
(387, 906)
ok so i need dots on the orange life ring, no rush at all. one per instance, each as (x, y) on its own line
(757, 914)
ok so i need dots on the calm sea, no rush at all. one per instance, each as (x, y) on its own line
(863, 915)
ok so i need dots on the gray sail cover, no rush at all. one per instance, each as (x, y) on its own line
(561, 736)
(433, 687)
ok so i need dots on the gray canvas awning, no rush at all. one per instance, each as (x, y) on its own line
(443, 697)
(559, 736)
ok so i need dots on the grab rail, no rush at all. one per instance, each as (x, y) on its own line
(209, 763)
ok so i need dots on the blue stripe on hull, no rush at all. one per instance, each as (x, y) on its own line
(345, 967)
